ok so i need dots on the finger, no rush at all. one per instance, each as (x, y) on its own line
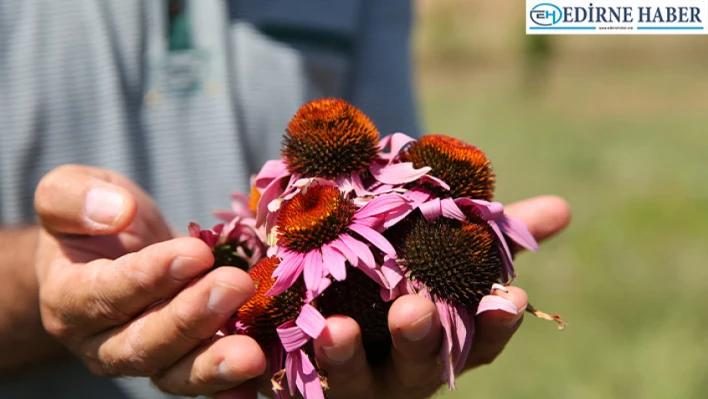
(339, 351)
(218, 366)
(545, 216)
(75, 199)
(416, 333)
(102, 294)
(167, 332)
(495, 328)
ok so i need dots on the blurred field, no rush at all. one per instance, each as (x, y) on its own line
(620, 129)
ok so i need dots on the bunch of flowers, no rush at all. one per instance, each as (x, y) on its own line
(346, 221)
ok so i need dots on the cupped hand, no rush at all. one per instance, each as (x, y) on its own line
(414, 370)
(128, 298)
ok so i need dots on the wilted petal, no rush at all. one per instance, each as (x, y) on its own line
(488, 210)
(517, 230)
(305, 375)
(446, 348)
(507, 260)
(464, 327)
(496, 302)
(374, 237)
(311, 321)
(292, 336)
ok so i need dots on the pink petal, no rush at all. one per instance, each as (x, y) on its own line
(344, 183)
(505, 252)
(392, 272)
(382, 204)
(306, 377)
(311, 295)
(271, 170)
(334, 262)
(395, 142)
(374, 237)
(292, 367)
(194, 229)
(340, 246)
(311, 321)
(465, 332)
(496, 302)
(287, 273)
(435, 181)
(225, 215)
(398, 173)
(313, 269)
(450, 210)
(291, 336)
(517, 230)
(446, 348)
(417, 195)
(397, 215)
(361, 250)
(271, 192)
(489, 210)
(359, 188)
(431, 210)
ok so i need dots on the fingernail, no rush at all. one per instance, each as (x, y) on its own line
(183, 267)
(104, 205)
(419, 329)
(339, 353)
(223, 298)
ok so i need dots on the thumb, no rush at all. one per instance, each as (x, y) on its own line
(77, 199)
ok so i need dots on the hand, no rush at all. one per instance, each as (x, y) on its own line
(129, 299)
(413, 371)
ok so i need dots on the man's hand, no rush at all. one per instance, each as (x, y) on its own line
(414, 370)
(129, 299)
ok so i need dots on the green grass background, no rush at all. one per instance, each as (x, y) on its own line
(622, 133)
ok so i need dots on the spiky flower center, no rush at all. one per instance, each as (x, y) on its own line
(456, 261)
(263, 314)
(253, 199)
(359, 297)
(314, 218)
(329, 137)
(464, 167)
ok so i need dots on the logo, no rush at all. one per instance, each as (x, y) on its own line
(628, 17)
(546, 14)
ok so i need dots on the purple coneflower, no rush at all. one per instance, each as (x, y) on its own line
(320, 228)
(283, 325)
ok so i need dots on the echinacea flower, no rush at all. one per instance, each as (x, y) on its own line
(320, 228)
(283, 325)
(456, 264)
(333, 140)
(464, 167)
(237, 243)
